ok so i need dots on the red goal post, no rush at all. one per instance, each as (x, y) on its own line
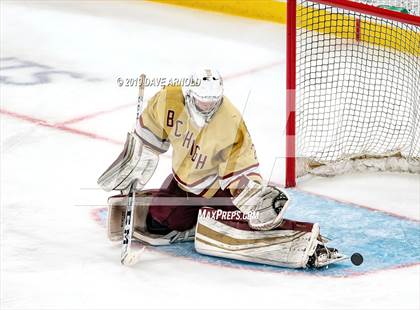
(352, 73)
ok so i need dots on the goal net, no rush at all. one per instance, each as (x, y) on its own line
(413, 6)
(353, 89)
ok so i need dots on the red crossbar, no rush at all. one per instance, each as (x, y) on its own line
(372, 10)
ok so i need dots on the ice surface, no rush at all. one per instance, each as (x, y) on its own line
(53, 255)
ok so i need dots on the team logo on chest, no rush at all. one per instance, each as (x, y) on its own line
(188, 140)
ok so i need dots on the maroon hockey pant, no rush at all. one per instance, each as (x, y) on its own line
(177, 209)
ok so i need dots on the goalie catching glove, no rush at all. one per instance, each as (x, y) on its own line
(268, 203)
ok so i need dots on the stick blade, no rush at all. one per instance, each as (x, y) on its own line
(132, 257)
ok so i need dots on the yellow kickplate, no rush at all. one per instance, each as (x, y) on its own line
(269, 10)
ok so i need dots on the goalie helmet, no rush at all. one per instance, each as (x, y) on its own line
(204, 95)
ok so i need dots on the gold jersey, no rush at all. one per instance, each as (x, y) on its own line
(203, 159)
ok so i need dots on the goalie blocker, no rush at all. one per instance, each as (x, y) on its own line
(293, 244)
(136, 161)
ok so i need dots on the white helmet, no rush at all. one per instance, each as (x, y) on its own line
(204, 95)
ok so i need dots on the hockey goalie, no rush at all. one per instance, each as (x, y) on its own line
(215, 195)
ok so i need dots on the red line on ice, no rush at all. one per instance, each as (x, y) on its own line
(61, 127)
(253, 70)
(123, 106)
(403, 217)
(95, 114)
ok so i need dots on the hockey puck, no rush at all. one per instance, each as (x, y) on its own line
(356, 259)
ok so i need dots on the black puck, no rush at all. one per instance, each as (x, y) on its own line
(356, 259)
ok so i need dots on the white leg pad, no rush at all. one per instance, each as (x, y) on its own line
(285, 248)
(117, 206)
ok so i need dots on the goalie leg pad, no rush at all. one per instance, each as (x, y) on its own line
(116, 215)
(117, 206)
(280, 247)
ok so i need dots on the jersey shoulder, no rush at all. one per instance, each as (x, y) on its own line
(173, 95)
(228, 112)
(168, 98)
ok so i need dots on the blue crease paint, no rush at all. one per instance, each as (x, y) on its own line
(385, 241)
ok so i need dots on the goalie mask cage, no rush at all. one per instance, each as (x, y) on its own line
(353, 80)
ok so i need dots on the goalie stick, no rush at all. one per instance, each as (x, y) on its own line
(128, 255)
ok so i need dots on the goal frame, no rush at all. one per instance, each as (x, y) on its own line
(290, 179)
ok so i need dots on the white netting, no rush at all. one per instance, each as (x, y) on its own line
(357, 90)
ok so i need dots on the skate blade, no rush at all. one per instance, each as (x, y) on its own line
(332, 261)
